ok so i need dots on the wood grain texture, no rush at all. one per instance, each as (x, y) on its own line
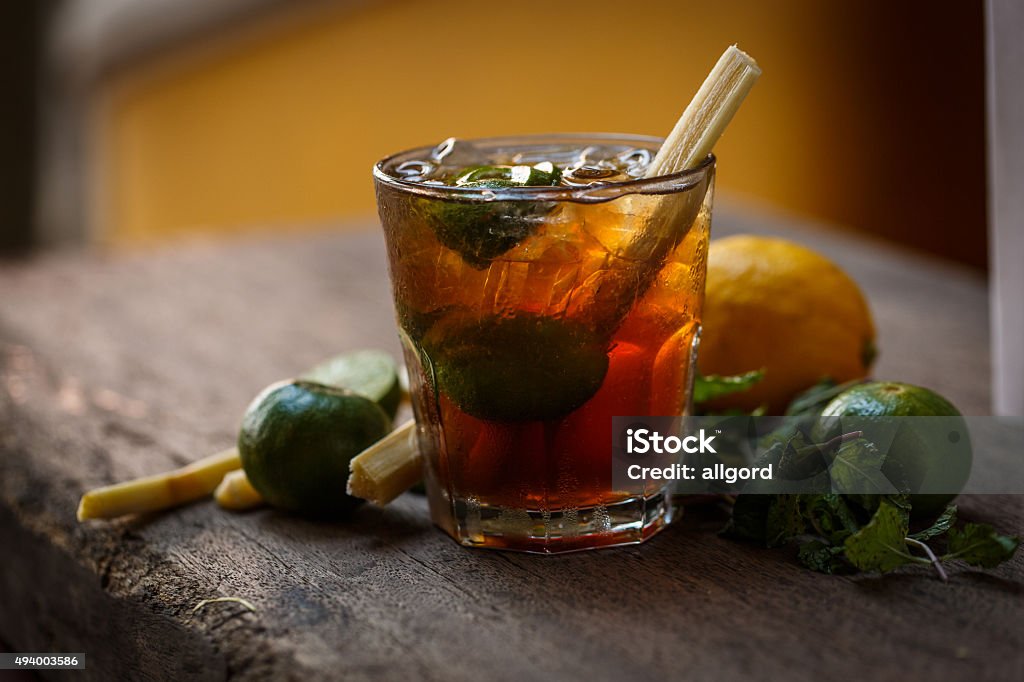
(117, 366)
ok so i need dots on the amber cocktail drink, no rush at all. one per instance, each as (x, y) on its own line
(543, 286)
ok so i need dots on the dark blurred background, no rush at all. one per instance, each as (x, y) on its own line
(21, 47)
(131, 122)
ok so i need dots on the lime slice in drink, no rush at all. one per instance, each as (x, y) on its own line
(518, 368)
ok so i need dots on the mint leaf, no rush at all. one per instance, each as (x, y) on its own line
(544, 173)
(857, 468)
(822, 557)
(707, 388)
(980, 545)
(750, 511)
(831, 517)
(880, 545)
(804, 458)
(748, 522)
(866, 502)
(784, 520)
(480, 231)
(801, 459)
(939, 526)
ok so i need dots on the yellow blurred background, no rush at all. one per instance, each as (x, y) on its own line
(869, 115)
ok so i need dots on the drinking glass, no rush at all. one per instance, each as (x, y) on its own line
(529, 318)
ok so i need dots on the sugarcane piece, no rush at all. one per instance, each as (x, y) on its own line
(686, 147)
(387, 468)
(709, 112)
(236, 493)
(160, 491)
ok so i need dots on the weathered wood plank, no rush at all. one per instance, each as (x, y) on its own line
(116, 366)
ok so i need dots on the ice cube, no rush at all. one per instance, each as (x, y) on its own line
(414, 170)
(588, 156)
(588, 175)
(635, 161)
(458, 153)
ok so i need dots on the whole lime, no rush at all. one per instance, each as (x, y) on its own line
(932, 454)
(296, 441)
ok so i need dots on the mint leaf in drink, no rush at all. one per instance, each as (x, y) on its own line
(544, 173)
(713, 386)
(980, 545)
(881, 544)
(480, 230)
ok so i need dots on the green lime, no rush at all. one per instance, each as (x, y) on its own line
(931, 453)
(372, 373)
(518, 368)
(297, 439)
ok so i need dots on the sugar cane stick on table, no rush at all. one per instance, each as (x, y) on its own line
(160, 491)
(236, 493)
(387, 468)
(380, 474)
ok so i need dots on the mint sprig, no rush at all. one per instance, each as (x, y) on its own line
(482, 230)
(843, 532)
(847, 533)
(837, 535)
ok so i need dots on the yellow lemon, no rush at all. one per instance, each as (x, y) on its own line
(774, 305)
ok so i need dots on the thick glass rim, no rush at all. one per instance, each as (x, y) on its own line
(596, 192)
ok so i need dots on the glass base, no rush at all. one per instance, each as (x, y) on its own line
(628, 522)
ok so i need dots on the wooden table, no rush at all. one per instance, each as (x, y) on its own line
(114, 366)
